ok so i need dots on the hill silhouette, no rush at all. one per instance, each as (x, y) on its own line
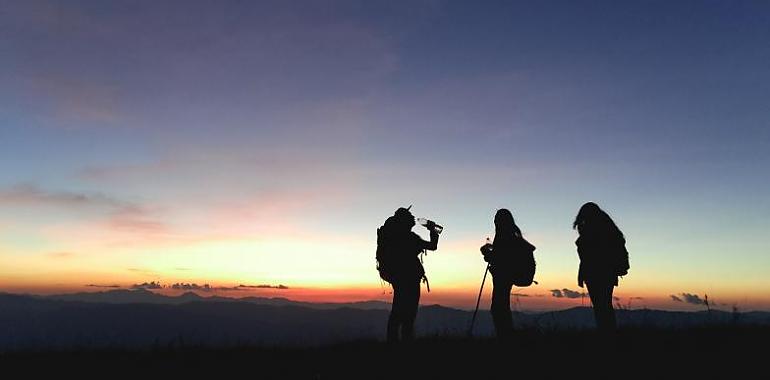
(140, 319)
(117, 296)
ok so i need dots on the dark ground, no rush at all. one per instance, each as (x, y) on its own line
(730, 352)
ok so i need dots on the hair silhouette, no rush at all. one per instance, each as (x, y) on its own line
(505, 224)
(591, 218)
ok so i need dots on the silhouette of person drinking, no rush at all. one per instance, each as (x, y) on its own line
(507, 258)
(603, 257)
(398, 250)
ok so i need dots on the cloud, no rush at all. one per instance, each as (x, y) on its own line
(28, 194)
(203, 288)
(135, 219)
(572, 294)
(566, 293)
(147, 285)
(262, 286)
(675, 298)
(192, 286)
(120, 215)
(693, 299)
(102, 286)
(142, 271)
(249, 287)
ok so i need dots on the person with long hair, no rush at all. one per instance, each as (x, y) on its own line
(603, 257)
(504, 256)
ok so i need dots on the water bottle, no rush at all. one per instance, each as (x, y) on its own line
(425, 222)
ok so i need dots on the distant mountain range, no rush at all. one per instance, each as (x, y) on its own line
(142, 319)
(119, 296)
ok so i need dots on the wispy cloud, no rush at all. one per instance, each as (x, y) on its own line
(135, 219)
(690, 298)
(262, 286)
(142, 271)
(101, 286)
(192, 286)
(28, 194)
(566, 293)
(147, 285)
(119, 214)
(693, 299)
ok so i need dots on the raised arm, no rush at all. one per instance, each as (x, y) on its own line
(431, 245)
(421, 244)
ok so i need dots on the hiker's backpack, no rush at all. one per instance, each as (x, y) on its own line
(523, 271)
(621, 264)
(384, 255)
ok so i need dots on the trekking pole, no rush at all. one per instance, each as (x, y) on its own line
(470, 329)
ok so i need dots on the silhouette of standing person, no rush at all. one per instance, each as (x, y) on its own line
(505, 257)
(603, 257)
(399, 264)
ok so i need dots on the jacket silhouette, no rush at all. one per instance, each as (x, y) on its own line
(400, 265)
(506, 258)
(603, 257)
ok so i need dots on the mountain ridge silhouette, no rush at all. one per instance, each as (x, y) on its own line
(50, 322)
(146, 296)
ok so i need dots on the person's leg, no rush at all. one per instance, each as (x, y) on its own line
(597, 301)
(507, 317)
(394, 320)
(501, 308)
(612, 323)
(601, 298)
(411, 297)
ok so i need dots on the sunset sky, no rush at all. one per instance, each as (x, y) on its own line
(263, 142)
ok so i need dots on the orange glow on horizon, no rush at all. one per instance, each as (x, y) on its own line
(533, 299)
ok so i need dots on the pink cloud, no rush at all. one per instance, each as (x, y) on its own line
(31, 195)
(119, 214)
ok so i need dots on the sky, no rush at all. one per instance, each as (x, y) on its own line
(262, 143)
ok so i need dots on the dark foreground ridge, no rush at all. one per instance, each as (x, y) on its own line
(730, 352)
(35, 323)
(205, 338)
